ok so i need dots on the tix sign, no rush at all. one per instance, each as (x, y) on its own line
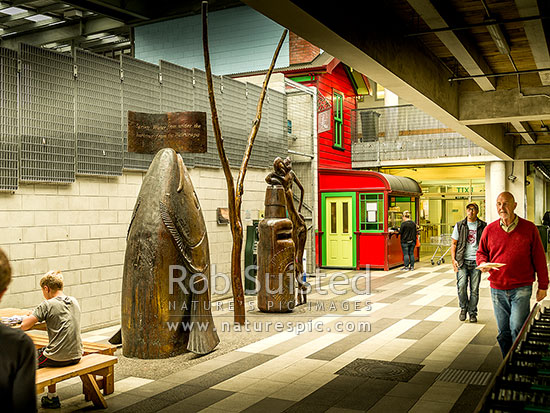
(181, 131)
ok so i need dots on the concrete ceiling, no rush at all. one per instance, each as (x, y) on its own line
(101, 26)
(440, 56)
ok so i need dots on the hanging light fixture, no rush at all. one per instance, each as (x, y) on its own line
(498, 36)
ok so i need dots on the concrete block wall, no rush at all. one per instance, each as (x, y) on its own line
(240, 40)
(81, 230)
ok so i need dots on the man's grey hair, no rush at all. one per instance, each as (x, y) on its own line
(406, 214)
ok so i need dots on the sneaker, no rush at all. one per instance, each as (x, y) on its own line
(462, 316)
(405, 269)
(52, 403)
(473, 318)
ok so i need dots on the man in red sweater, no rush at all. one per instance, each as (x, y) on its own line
(513, 241)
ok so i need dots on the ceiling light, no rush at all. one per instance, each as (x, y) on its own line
(38, 18)
(498, 37)
(12, 10)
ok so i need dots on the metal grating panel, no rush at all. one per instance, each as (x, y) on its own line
(177, 94)
(98, 114)
(48, 147)
(479, 378)
(9, 137)
(260, 150)
(201, 103)
(140, 93)
(235, 129)
(399, 132)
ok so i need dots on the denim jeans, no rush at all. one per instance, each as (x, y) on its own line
(467, 273)
(511, 310)
(408, 253)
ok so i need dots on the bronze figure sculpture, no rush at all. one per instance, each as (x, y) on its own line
(166, 267)
(275, 255)
(284, 175)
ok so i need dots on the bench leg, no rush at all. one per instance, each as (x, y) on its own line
(92, 389)
(109, 381)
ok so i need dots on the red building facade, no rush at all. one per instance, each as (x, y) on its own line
(358, 210)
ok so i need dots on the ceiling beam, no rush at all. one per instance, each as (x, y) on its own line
(532, 152)
(536, 37)
(63, 33)
(525, 131)
(30, 26)
(505, 106)
(114, 9)
(460, 47)
(383, 53)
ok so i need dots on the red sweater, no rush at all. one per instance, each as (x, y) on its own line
(522, 252)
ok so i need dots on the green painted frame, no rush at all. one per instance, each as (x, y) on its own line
(381, 212)
(324, 196)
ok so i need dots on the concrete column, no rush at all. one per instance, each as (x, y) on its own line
(517, 186)
(390, 98)
(539, 189)
(495, 183)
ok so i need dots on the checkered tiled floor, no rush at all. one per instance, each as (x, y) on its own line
(413, 319)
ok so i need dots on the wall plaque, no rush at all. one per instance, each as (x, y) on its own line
(324, 121)
(181, 131)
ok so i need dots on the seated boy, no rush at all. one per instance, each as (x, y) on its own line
(17, 362)
(62, 316)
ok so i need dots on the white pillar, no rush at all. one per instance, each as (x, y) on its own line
(517, 186)
(390, 98)
(495, 183)
(540, 195)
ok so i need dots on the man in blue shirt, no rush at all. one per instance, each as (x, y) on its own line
(464, 244)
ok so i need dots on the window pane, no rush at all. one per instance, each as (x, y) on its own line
(345, 217)
(333, 218)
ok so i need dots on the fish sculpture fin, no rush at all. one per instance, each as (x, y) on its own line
(201, 341)
(168, 221)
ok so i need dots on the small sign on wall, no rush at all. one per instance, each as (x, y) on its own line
(323, 121)
(181, 131)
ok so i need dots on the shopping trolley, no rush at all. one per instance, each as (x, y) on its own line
(442, 241)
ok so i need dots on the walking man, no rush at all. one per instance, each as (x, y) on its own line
(513, 241)
(464, 244)
(407, 230)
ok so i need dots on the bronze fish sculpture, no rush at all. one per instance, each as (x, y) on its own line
(165, 287)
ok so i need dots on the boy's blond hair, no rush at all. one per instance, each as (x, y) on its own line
(5, 271)
(53, 280)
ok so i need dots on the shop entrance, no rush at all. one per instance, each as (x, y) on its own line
(438, 215)
(339, 213)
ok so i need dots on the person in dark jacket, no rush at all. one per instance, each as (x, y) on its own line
(464, 245)
(407, 230)
(17, 359)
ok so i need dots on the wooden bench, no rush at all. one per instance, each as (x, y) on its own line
(106, 382)
(89, 366)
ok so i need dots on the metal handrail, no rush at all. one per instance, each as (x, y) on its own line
(519, 339)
